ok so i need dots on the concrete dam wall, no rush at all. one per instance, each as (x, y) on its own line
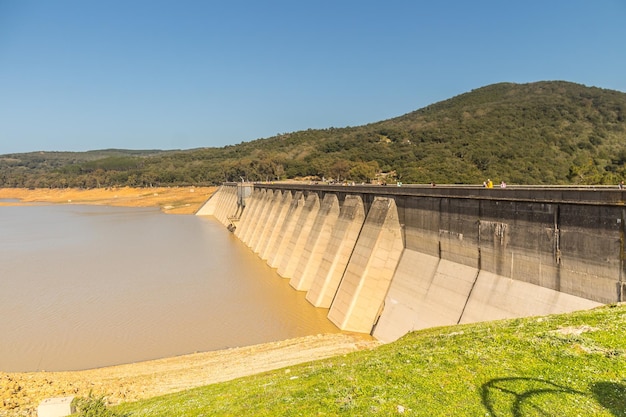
(388, 260)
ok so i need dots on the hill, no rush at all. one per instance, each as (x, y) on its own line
(550, 132)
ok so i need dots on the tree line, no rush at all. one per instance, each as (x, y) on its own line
(538, 133)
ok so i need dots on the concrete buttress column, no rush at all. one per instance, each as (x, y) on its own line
(271, 246)
(361, 293)
(232, 204)
(286, 230)
(251, 220)
(301, 232)
(328, 275)
(244, 214)
(261, 223)
(220, 203)
(425, 292)
(316, 243)
(227, 205)
(270, 222)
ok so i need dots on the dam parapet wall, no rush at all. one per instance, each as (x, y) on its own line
(387, 260)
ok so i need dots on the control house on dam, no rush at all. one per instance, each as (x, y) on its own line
(387, 260)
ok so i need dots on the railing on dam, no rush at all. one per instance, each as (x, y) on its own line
(603, 195)
(388, 259)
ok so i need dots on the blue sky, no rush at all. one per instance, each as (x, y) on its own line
(79, 75)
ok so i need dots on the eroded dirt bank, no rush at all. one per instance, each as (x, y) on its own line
(173, 200)
(21, 393)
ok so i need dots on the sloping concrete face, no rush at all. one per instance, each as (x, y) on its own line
(208, 208)
(221, 205)
(271, 246)
(301, 232)
(495, 297)
(227, 204)
(243, 230)
(287, 230)
(362, 290)
(261, 219)
(343, 238)
(407, 293)
(316, 243)
(270, 223)
(426, 292)
(257, 205)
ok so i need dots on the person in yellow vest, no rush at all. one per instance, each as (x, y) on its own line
(489, 183)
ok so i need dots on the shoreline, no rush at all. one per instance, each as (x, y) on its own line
(170, 200)
(21, 392)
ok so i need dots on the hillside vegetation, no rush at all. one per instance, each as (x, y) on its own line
(551, 132)
(560, 365)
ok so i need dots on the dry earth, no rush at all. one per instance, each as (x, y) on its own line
(173, 200)
(21, 393)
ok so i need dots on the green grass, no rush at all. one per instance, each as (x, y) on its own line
(521, 367)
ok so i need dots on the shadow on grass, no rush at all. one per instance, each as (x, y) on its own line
(518, 397)
(611, 395)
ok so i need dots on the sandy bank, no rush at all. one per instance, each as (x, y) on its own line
(21, 393)
(173, 200)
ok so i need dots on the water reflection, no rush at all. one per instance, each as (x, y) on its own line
(90, 286)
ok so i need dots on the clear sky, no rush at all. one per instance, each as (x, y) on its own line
(79, 75)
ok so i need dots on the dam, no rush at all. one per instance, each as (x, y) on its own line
(387, 260)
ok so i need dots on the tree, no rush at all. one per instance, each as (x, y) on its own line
(340, 170)
(364, 171)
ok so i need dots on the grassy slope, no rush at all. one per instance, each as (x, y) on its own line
(561, 365)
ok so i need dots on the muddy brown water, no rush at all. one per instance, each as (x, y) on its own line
(90, 286)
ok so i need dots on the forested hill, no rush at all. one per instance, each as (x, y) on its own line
(539, 133)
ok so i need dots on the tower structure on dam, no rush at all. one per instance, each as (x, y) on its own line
(388, 260)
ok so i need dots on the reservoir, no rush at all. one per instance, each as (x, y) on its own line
(91, 286)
